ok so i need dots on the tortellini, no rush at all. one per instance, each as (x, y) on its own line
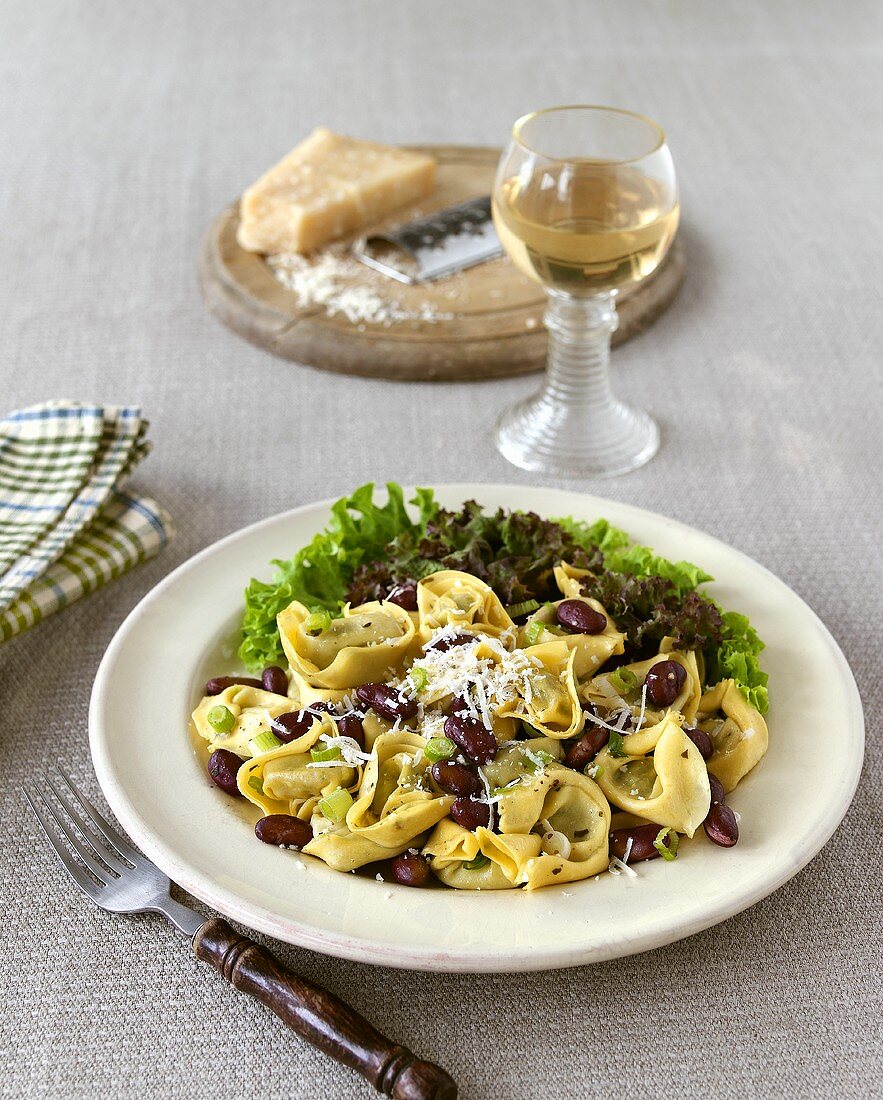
(738, 733)
(366, 644)
(603, 692)
(453, 599)
(497, 860)
(551, 705)
(307, 695)
(575, 823)
(252, 710)
(395, 805)
(371, 781)
(519, 760)
(286, 779)
(670, 787)
(553, 827)
(591, 650)
(569, 580)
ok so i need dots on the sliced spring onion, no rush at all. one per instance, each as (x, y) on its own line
(481, 860)
(254, 781)
(523, 608)
(533, 631)
(265, 741)
(555, 843)
(419, 678)
(496, 791)
(530, 731)
(335, 805)
(614, 745)
(331, 752)
(318, 622)
(623, 679)
(439, 748)
(667, 851)
(221, 719)
(544, 757)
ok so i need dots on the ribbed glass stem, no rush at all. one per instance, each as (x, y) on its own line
(579, 349)
(575, 426)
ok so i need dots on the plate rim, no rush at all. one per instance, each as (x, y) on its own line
(363, 948)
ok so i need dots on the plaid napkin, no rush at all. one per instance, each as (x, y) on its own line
(66, 528)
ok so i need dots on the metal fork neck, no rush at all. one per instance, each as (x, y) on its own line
(186, 920)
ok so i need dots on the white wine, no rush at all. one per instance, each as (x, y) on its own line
(586, 227)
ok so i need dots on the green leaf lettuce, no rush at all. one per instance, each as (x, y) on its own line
(318, 574)
(367, 548)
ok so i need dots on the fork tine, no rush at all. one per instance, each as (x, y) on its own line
(123, 847)
(74, 869)
(103, 872)
(111, 858)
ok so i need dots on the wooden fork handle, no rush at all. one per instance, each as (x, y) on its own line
(319, 1017)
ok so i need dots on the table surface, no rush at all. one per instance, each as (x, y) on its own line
(125, 128)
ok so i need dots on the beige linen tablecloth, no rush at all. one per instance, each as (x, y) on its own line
(124, 128)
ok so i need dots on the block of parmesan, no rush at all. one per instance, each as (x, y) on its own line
(328, 187)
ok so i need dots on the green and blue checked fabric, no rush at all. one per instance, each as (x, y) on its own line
(65, 526)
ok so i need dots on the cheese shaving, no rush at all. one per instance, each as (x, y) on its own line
(617, 867)
(351, 756)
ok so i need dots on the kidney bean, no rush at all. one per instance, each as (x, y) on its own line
(220, 683)
(273, 679)
(701, 740)
(717, 789)
(283, 829)
(222, 767)
(664, 682)
(458, 779)
(326, 708)
(457, 705)
(386, 701)
(470, 735)
(641, 836)
(404, 595)
(580, 618)
(291, 725)
(587, 748)
(471, 814)
(444, 644)
(721, 826)
(350, 725)
(410, 869)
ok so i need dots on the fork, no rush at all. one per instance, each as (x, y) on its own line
(120, 879)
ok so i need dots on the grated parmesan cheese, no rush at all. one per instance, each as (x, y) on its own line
(334, 280)
(483, 683)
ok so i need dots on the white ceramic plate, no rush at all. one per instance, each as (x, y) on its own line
(177, 636)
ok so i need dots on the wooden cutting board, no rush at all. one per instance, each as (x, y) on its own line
(484, 323)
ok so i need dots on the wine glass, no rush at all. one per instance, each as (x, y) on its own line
(585, 203)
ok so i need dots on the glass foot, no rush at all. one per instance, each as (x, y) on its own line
(559, 437)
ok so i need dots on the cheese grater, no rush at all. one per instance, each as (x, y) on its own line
(440, 244)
